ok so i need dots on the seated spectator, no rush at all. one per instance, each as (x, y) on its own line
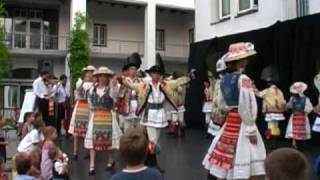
(60, 163)
(27, 125)
(133, 149)
(286, 164)
(23, 166)
(33, 138)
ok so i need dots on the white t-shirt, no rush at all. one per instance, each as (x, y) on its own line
(27, 143)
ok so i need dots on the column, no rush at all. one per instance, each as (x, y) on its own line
(149, 58)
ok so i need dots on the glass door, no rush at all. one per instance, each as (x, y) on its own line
(35, 31)
(20, 27)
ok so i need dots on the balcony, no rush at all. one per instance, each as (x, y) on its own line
(24, 43)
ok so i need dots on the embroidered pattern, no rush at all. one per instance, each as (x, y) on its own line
(81, 118)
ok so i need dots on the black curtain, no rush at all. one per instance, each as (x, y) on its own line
(292, 47)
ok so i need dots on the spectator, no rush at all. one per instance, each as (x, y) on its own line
(133, 148)
(33, 138)
(3, 143)
(23, 166)
(27, 123)
(50, 135)
(3, 175)
(59, 162)
(286, 164)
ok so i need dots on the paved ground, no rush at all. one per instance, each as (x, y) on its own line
(181, 158)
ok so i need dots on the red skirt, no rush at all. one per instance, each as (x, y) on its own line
(299, 126)
(224, 151)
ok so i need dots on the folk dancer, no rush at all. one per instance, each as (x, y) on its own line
(151, 98)
(103, 133)
(217, 115)
(273, 107)
(128, 100)
(299, 126)
(237, 152)
(316, 125)
(80, 116)
(62, 96)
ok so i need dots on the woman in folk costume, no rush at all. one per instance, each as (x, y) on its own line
(103, 133)
(214, 125)
(80, 116)
(273, 107)
(127, 99)
(316, 125)
(207, 105)
(299, 127)
(237, 152)
(151, 98)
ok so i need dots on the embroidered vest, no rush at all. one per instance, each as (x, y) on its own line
(230, 89)
(298, 103)
(101, 102)
(82, 93)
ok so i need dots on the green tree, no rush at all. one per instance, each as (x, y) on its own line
(4, 52)
(79, 49)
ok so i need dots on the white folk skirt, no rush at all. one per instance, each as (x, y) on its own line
(248, 162)
(213, 129)
(289, 131)
(207, 107)
(316, 125)
(274, 117)
(154, 118)
(116, 133)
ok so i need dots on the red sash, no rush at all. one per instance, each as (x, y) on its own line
(298, 126)
(224, 151)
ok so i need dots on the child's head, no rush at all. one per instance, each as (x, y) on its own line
(53, 153)
(29, 117)
(133, 146)
(38, 124)
(286, 164)
(50, 133)
(22, 162)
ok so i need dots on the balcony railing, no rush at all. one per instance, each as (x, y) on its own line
(113, 46)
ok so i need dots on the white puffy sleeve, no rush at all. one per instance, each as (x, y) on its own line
(114, 90)
(308, 107)
(219, 107)
(247, 105)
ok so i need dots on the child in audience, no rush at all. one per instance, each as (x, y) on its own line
(133, 148)
(23, 166)
(27, 125)
(59, 164)
(3, 143)
(50, 135)
(33, 138)
(286, 164)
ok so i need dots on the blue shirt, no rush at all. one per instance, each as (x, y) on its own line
(142, 174)
(24, 177)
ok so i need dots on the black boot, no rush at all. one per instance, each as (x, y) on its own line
(151, 161)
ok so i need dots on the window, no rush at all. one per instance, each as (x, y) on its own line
(160, 39)
(191, 36)
(302, 8)
(224, 9)
(247, 5)
(100, 35)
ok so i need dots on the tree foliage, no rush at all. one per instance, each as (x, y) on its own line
(4, 52)
(79, 50)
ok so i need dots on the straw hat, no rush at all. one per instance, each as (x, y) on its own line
(298, 88)
(103, 70)
(239, 51)
(89, 68)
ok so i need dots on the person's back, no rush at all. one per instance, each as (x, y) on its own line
(144, 173)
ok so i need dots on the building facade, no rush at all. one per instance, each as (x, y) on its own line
(37, 33)
(216, 18)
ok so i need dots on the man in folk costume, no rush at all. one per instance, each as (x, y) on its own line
(80, 116)
(103, 133)
(299, 126)
(237, 152)
(62, 95)
(151, 98)
(128, 99)
(316, 125)
(273, 108)
(216, 113)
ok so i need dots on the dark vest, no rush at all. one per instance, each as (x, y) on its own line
(101, 102)
(298, 103)
(230, 88)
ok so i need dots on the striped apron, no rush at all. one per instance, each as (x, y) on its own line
(81, 118)
(102, 129)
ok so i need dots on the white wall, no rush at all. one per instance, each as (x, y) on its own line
(181, 4)
(270, 11)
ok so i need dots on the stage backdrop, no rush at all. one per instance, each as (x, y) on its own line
(292, 47)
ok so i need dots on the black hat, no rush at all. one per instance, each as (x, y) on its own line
(133, 60)
(155, 69)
